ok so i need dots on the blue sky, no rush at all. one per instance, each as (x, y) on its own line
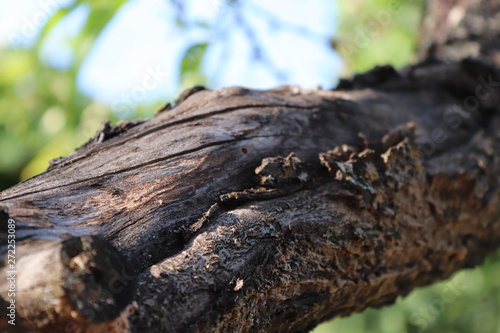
(138, 54)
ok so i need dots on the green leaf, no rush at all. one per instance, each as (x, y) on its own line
(191, 64)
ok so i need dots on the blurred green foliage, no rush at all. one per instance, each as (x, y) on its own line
(43, 115)
(374, 32)
(191, 73)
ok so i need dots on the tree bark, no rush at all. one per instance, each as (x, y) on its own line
(246, 210)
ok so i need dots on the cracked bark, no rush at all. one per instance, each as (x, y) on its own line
(217, 227)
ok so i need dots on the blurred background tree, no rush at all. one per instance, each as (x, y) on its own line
(67, 65)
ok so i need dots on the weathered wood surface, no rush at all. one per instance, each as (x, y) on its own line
(61, 286)
(392, 187)
(394, 184)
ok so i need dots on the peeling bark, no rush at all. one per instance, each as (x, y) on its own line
(380, 188)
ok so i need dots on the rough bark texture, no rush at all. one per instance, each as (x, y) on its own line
(61, 285)
(456, 29)
(245, 210)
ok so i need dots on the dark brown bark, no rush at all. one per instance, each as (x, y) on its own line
(393, 184)
(63, 285)
(456, 29)
(389, 189)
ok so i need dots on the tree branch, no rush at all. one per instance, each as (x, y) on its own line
(392, 186)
